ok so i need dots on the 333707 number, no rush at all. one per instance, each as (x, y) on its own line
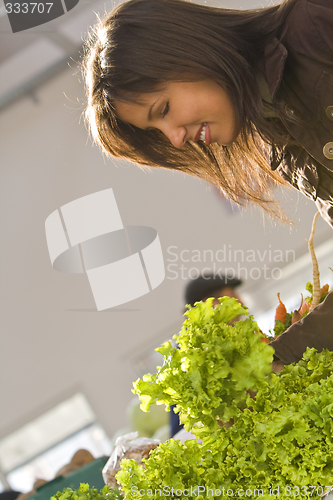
(304, 491)
(28, 8)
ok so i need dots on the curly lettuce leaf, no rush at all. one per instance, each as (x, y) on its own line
(217, 363)
(84, 492)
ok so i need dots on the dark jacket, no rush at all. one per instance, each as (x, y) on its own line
(299, 72)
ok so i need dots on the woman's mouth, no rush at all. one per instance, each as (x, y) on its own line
(203, 134)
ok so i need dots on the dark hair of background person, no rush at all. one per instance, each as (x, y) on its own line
(143, 44)
(208, 285)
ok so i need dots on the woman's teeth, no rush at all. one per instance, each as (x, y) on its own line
(203, 132)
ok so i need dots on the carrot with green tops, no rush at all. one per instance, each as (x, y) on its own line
(281, 311)
(305, 307)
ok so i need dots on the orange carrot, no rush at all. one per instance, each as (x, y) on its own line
(324, 289)
(305, 307)
(266, 340)
(264, 337)
(281, 311)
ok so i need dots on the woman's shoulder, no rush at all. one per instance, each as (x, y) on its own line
(314, 20)
(321, 15)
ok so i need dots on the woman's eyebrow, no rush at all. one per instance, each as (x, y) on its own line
(150, 112)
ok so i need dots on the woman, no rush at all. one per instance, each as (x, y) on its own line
(238, 98)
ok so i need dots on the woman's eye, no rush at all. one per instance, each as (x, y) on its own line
(165, 110)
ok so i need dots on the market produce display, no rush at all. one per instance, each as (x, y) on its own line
(280, 441)
(283, 319)
(258, 433)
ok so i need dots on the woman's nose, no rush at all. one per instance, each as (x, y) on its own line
(176, 135)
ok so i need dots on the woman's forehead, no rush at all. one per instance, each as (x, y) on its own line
(135, 113)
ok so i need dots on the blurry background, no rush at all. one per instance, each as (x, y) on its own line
(66, 369)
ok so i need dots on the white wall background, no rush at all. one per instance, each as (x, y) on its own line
(53, 341)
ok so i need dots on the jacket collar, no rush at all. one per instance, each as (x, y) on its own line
(275, 59)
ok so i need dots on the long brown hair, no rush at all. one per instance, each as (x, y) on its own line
(144, 43)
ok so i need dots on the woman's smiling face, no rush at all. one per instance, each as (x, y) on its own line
(185, 111)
